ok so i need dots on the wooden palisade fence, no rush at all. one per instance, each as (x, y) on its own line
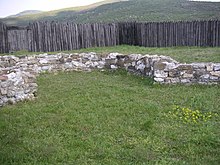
(53, 36)
(166, 34)
(3, 38)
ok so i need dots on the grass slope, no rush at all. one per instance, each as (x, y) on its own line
(132, 10)
(26, 12)
(109, 118)
(48, 16)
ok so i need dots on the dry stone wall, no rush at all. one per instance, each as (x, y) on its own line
(166, 70)
(18, 74)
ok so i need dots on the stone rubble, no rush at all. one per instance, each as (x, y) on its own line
(18, 73)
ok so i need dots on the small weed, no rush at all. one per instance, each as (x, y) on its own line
(188, 115)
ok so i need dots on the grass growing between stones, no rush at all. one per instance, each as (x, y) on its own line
(109, 118)
(181, 54)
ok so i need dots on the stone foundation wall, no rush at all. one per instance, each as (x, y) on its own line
(18, 74)
(166, 70)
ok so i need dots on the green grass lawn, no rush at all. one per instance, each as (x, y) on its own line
(181, 54)
(110, 118)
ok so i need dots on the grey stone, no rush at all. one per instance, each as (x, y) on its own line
(209, 67)
(199, 65)
(217, 73)
(43, 61)
(202, 82)
(185, 67)
(174, 73)
(1, 102)
(168, 59)
(186, 75)
(95, 64)
(170, 66)
(199, 73)
(4, 99)
(69, 60)
(68, 65)
(140, 65)
(160, 73)
(185, 81)
(4, 84)
(10, 93)
(159, 79)
(111, 61)
(133, 63)
(101, 64)
(217, 67)
(3, 91)
(175, 80)
(206, 76)
(159, 65)
(46, 68)
(213, 78)
(135, 57)
(43, 55)
(76, 63)
(11, 75)
(113, 55)
(114, 67)
(20, 96)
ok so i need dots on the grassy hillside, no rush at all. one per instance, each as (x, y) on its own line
(132, 10)
(26, 12)
(57, 15)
